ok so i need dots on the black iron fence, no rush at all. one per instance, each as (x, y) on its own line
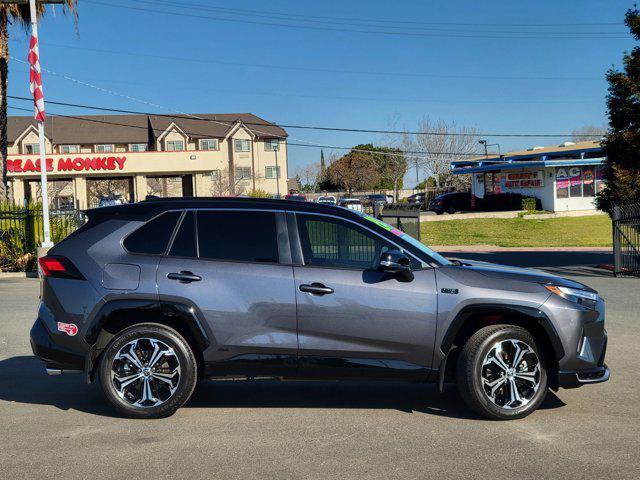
(626, 240)
(22, 231)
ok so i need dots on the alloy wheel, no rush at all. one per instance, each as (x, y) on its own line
(511, 374)
(145, 372)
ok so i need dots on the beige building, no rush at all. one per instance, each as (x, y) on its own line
(132, 156)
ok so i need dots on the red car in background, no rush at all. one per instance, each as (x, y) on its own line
(296, 196)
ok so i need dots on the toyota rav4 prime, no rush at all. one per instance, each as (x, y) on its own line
(151, 297)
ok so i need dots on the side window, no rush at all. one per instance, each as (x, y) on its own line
(152, 237)
(184, 243)
(333, 243)
(238, 236)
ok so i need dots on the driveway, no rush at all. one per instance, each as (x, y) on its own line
(59, 427)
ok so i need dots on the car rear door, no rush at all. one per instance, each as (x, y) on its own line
(354, 320)
(231, 268)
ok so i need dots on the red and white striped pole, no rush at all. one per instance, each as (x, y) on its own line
(35, 84)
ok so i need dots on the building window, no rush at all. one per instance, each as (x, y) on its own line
(104, 148)
(242, 145)
(271, 145)
(243, 173)
(31, 148)
(138, 147)
(209, 144)
(174, 145)
(272, 173)
(68, 149)
(578, 182)
(215, 175)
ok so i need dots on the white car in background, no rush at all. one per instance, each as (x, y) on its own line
(351, 204)
(327, 200)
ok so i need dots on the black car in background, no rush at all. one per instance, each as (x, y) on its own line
(451, 203)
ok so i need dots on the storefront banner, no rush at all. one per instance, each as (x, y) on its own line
(533, 179)
(77, 164)
(562, 178)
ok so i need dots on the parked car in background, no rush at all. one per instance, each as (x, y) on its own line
(417, 198)
(148, 298)
(327, 200)
(380, 198)
(351, 204)
(110, 201)
(451, 203)
(296, 196)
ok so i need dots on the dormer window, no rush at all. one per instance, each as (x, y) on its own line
(105, 148)
(242, 145)
(68, 149)
(31, 148)
(174, 145)
(209, 144)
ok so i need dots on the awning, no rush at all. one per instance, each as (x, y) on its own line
(493, 166)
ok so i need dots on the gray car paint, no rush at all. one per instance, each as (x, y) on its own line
(252, 307)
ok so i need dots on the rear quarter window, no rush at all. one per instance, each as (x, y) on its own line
(153, 237)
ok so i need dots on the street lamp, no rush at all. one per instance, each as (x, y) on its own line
(486, 145)
(275, 147)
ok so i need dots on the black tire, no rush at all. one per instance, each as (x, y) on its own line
(184, 386)
(439, 212)
(451, 210)
(469, 372)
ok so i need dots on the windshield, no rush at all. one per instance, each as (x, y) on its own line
(407, 238)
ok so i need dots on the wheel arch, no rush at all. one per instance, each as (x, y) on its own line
(473, 317)
(118, 314)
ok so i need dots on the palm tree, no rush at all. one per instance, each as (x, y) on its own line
(14, 13)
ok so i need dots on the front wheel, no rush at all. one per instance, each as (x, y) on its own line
(501, 372)
(147, 371)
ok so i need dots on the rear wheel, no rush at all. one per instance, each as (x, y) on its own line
(501, 372)
(147, 371)
(451, 210)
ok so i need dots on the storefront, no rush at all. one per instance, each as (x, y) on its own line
(565, 177)
(130, 157)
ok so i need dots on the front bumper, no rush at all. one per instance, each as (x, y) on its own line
(575, 379)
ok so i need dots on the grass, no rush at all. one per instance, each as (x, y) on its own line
(592, 231)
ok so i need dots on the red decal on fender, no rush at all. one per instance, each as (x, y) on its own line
(69, 328)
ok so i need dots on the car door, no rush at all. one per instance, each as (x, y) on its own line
(354, 320)
(232, 268)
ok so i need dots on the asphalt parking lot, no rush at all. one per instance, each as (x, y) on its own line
(58, 426)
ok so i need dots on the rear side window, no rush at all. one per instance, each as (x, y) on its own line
(238, 236)
(184, 244)
(153, 237)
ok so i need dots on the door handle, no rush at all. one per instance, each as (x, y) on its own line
(184, 277)
(316, 289)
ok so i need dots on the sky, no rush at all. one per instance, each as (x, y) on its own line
(370, 64)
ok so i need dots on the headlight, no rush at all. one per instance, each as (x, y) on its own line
(581, 297)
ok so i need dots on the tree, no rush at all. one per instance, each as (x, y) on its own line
(622, 142)
(391, 164)
(588, 132)
(354, 171)
(442, 143)
(15, 14)
(224, 185)
(308, 177)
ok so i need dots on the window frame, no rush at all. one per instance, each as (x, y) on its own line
(110, 145)
(242, 178)
(273, 167)
(269, 142)
(202, 140)
(167, 142)
(146, 147)
(36, 145)
(282, 237)
(171, 237)
(235, 145)
(68, 145)
(298, 255)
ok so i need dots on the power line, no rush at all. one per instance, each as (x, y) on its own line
(410, 22)
(307, 127)
(406, 154)
(361, 22)
(555, 35)
(312, 69)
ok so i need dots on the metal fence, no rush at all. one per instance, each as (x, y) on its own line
(403, 216)
(626, 240)
(22, 231)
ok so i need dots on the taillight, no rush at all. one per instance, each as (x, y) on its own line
(59, 267)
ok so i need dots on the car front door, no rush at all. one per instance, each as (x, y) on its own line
(353, 319)
(232, 268)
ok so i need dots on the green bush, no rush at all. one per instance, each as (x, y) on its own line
(530, 203)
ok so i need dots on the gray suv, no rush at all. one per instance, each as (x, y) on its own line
(154, 296)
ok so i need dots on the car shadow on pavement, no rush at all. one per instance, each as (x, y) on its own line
(23, 380)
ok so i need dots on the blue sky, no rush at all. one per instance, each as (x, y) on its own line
(434, 60)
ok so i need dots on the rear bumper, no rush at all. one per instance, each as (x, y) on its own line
(575, 379)
(54, 356)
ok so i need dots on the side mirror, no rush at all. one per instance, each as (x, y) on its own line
(394, 261)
